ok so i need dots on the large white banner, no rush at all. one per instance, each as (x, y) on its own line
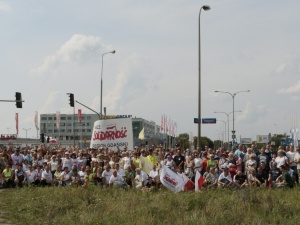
(171, 180)
(113, 134)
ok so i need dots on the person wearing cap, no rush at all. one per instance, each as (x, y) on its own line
(225, 180)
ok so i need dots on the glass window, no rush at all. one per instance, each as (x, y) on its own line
(69, 118)
(63, 118)
(49, 118)
(88, 117)
(44, 118)
(89, 130)
(62, 131)
(69, 130)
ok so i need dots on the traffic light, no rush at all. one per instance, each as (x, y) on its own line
(48, 139)
(71, 99)
(18, 99)
(42, 138)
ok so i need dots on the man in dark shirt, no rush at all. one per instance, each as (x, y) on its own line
(179, 159)
(262, 176)
(240, 179)
(273, 174)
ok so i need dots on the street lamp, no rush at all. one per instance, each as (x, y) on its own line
(205, 8)
(101, 83)
(227, 114)
(26, 131)
(233, 96)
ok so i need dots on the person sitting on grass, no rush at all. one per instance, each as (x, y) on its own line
(273, 175)
(8, 176)
(240, 180)
(225, 180)
(117, 181)
(262, 176)
(252, 179)
(129, 175)
(47, 179)
(20, 176)
(141, 178)
(211, 178)
(57, 176)
(150, 186)
(66, 177)
(285, 179)
(1, 179)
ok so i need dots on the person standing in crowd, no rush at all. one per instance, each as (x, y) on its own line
(292, 164)
(129, 175)
(179, 159)
(17, 158)
(281, 159)
(67, 161)
(297, 161)
(53, 164)
(106, 174)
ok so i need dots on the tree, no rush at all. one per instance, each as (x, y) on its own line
(205, 141)
(183, 140)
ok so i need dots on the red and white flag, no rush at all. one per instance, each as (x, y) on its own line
(17, 123)
(79, 116)
(199, 181)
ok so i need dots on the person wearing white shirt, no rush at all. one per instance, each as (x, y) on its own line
(119, 170)
(46, 177)
(31, 175)
(106, 174)
(225, 179)
(116, 180)
(67, 161)
(16, 158)
(141, 178)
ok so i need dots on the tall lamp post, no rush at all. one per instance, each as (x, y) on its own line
(26, 131)
(205, 8)
(101, 84)
(227, 114)
(233, 96)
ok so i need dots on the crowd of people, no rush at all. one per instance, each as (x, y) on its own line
(104, 168)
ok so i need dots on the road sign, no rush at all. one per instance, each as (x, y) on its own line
(209, 120)
(206, 120)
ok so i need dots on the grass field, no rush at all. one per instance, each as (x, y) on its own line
(70, 205)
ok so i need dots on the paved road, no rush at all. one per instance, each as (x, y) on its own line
(3, 221)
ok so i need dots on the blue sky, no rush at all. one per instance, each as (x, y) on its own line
(50, 48)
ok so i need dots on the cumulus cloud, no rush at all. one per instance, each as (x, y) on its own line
(252, 113)
(290, 90)
(290, 67)
(78, 49)
(4, 7)
(136, 78)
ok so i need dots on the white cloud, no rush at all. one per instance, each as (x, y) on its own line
(135, 79)
(4, 7)
(290, 67)
(252, 113)
(290, 90)
(78, 49)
